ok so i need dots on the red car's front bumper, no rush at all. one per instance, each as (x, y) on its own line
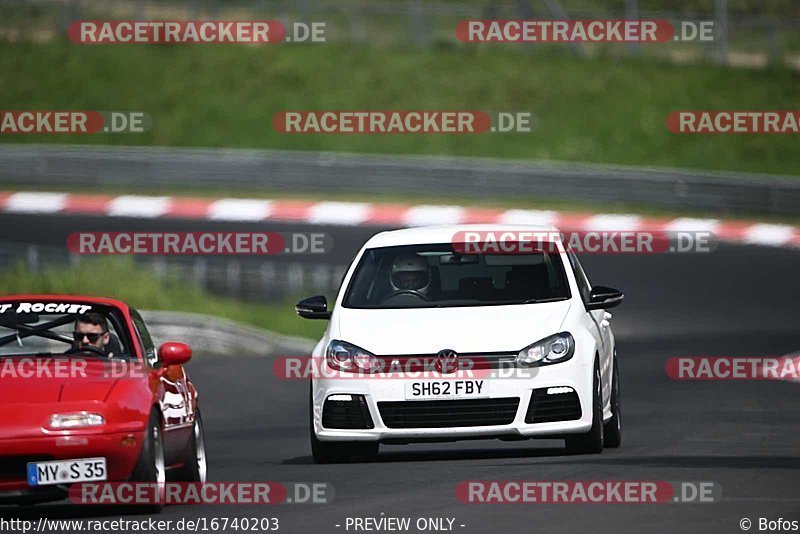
(120, 449)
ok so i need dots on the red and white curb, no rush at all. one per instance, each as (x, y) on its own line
(385, 215)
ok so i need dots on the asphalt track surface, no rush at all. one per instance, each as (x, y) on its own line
(743, 435)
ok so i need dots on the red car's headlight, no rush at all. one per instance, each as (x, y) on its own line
(66, 421)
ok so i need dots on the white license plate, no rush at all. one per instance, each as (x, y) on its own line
(446, 389)
(66, 471)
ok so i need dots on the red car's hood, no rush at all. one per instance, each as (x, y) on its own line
(31, 392)
(52, 380)
(53, 390)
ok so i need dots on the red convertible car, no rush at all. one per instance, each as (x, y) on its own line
(85, 396)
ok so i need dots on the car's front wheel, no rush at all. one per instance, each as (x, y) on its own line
(196, 465)
(151, 468)
(613, 429)
(592, 441)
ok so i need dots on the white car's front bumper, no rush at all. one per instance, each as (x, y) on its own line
(571, 374)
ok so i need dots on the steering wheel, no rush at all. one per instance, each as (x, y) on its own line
(408, 292)
(90, 349)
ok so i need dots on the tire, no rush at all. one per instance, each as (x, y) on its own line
(151, 468)
(195, 467)
(329, 452)
(613, 429)
(592, 441)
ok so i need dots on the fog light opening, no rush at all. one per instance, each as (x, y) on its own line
(559, 390)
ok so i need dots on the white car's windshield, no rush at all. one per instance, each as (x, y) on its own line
(435, 275)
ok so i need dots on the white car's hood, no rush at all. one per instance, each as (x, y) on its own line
(465, 330)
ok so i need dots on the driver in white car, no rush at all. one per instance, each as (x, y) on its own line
(410, 272)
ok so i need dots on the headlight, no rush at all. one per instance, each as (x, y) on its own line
(344, 356)
(554, 349)
(64, 421)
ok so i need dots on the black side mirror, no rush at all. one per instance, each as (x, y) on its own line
(602, 298)
(313, 308)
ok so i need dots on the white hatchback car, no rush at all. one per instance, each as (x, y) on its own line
(540, 353)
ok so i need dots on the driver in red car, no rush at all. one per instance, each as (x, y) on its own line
(91, 329)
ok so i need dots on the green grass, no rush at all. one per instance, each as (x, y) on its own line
(122, 279)
(599, 110)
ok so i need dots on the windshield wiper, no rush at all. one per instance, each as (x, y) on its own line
(541, 301)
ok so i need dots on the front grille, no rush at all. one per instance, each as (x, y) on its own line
(346, 414)
(466, 361)
(15, 468)
(553, 407)
(449, 413)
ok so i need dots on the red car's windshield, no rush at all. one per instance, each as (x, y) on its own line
(29, 328)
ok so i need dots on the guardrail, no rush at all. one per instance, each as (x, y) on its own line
(209, 334)
(324, 172)
(255, 279)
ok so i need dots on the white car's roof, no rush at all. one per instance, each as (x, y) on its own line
(447, 233)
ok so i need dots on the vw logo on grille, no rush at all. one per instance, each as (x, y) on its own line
(446, 361)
